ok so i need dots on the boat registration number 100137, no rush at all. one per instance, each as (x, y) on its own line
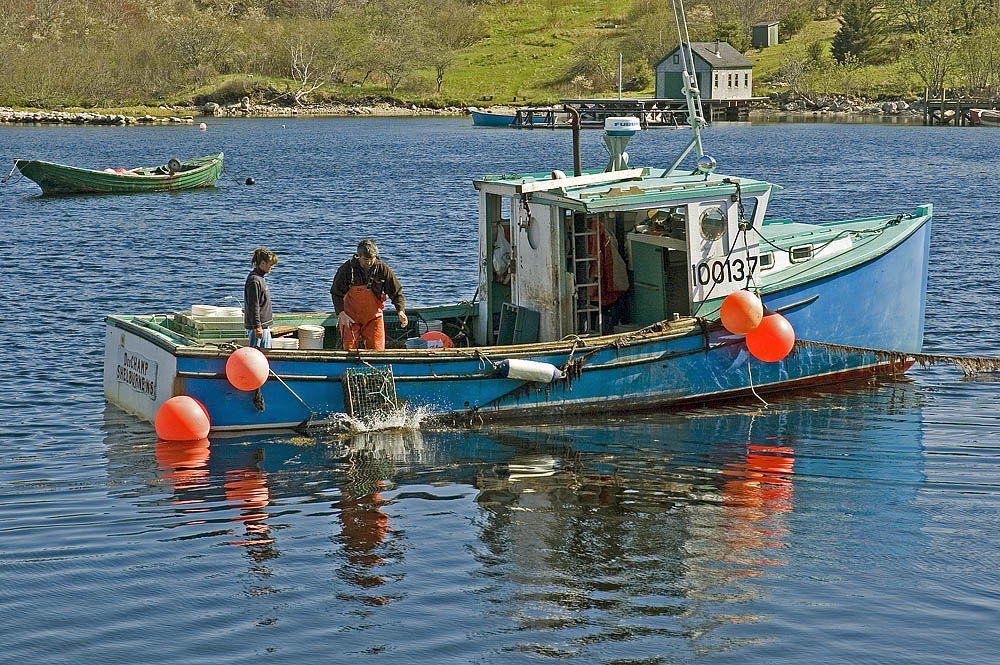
(723, 270)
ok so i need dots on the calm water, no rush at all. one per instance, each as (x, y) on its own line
(846, 525)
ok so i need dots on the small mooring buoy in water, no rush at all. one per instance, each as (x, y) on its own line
(250, 181)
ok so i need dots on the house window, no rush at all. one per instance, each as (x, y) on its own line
(677, 59)
(730, 77)
(746, 79)
(716, 84)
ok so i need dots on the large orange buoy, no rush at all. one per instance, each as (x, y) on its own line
(247, 368)
(434, 335)
(182, 418)
(741, 312)
(772, 339)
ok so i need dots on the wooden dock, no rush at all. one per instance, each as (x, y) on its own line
(651, 112)
(953, 111)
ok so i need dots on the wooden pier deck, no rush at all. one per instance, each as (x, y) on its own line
(954, 111)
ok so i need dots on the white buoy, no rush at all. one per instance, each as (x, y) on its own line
(202, 126)
(528, 370)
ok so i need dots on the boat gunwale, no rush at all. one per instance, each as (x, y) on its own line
(210, 162)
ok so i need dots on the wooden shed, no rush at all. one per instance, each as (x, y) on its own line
(722, 71)
(764, 34)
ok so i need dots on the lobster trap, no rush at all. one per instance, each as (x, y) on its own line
(369, 392)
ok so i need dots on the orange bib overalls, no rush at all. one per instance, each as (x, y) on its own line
(361, 305)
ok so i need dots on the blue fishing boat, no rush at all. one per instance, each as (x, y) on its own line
(598, 292)
(486, 119)
(522, 118)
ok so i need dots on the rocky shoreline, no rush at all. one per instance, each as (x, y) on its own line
(783, 105)
(242, 109)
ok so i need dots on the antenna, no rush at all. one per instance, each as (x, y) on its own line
(690, 85)
(617, 132)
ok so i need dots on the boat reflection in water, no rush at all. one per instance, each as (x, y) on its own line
(675, 527)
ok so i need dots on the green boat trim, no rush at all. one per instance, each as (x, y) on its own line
(173, 176)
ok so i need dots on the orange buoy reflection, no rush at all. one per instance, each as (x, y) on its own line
(184, 463)
(759, 491)
(249, 491)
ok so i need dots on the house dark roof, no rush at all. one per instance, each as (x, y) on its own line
(727, 57)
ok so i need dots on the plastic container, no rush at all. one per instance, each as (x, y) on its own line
(311, 337)
(284, 343)
(204, 310)
(229, 311)
(416, 343)
(427, 326)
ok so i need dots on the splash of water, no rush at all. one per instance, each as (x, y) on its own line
(403, 418)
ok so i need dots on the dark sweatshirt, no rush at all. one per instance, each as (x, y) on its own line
(257, 299)
(379, 278)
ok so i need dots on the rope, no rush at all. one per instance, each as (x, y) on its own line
(10, 174)
(970, 365)
(225, 169)
(752, 389)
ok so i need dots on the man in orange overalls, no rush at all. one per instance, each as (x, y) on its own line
(359, 291)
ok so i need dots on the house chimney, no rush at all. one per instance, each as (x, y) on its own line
(716, 48)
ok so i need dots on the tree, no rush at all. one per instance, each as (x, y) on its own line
(980, 60)
(729, 27)
(861, 33)
(454, 25)
(931, 54)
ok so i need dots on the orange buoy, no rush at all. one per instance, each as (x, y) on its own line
(182, 418)
(741, 312)
(247, 368)
(772, 339)
(436, 336)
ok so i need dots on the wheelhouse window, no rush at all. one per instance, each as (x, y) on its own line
(712, 224)
(766, 261)
(800, 253)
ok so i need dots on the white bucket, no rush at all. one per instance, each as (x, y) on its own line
(426, 326)
(204, 310)
(311, 337)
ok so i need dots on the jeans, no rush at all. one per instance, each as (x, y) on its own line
(264, 342)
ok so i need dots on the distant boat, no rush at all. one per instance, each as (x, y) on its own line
(984, 117)
(484, 119)
(172, 176)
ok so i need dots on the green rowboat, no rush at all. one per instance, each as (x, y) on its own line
(172, 176)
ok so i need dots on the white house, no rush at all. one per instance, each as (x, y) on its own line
(722, 71)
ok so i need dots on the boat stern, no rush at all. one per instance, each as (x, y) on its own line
(138, 373)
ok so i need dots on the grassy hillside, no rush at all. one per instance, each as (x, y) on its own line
(529, 49)
(891, 78)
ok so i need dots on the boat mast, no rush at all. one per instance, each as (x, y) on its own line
(689, 86)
